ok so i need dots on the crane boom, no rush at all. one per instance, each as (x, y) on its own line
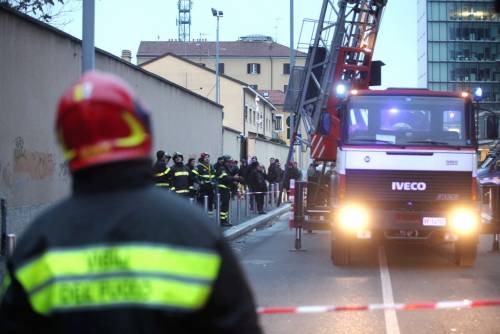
(341, 52)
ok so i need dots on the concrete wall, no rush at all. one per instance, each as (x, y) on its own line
(37, 64)
(231, 143)
(265, 150)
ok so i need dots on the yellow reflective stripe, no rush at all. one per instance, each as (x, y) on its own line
(223, 186)
(162, 184)
(183, 191)
(114, 291)
(222, 175)
(5, 284)
(163, 173)
(137, 135)
(197, 264)
(196, 172)
(181, 174)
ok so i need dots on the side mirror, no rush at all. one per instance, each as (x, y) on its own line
(492, 127)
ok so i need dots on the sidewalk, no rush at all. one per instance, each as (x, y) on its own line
(247, 226)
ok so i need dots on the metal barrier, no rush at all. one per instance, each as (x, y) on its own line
(205, 203)
(245, 203)
(11, 244)
(217, 210)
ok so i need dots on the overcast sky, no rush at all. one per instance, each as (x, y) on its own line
(122, 24)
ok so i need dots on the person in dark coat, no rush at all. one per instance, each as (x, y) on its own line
(292, 173)
(257, 182)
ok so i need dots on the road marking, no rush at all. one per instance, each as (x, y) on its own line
(391, 319)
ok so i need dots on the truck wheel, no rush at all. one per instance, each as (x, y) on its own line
(340, 250)
(465, 252)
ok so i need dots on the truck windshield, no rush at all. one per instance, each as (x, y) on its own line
(406, 120)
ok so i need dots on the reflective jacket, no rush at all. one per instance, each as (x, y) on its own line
(161, 174)
(206, 175)
(225, 180)
(181, 179)
(121, 256)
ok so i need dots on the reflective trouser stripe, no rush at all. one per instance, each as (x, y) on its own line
(181, 174)
(162, 184)
(5, 285)
(223, 186)
(182, 191)
(50, 279)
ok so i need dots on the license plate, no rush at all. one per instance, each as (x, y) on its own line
(434, 221)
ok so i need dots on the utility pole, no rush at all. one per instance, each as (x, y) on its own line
(218, 14)
(292, 47)
(88, 45)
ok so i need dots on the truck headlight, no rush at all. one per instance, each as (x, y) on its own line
(353, 218)
(464, 221)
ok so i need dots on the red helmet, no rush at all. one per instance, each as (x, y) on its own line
(99, 121)
(203, 155)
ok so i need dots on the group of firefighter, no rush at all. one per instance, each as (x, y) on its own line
(200, 179)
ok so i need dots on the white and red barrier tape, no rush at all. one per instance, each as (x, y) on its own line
(377, 307)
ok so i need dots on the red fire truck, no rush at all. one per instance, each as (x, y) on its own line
(404, 160)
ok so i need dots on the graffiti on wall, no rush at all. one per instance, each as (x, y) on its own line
(37, 165)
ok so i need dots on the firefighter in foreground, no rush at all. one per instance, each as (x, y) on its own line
(225, 182)
(120, 255)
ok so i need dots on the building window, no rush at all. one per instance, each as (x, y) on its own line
(221, 68)
(285, 88)
(253, 68)
(286, 68)
(254, 117)
(245, 113)
(278, 124)
(254, 87)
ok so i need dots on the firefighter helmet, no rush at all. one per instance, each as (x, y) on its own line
(204, 155)
(99, 121)
(177, 154)
(226, 158)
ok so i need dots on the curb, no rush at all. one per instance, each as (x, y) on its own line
(238, 230)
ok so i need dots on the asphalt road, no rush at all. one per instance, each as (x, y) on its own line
(416, 273)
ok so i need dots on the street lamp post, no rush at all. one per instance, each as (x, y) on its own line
(88, 50)
(218, 14)
(292, 46)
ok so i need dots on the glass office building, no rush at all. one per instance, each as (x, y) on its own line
(459, 47)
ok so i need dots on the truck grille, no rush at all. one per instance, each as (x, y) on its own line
(377, 185)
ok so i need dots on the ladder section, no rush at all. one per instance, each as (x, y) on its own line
(340, 52)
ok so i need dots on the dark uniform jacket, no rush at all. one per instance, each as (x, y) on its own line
(181, 179)
(206, 175)
(121, 256)
(161, 174)
(224, 178)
